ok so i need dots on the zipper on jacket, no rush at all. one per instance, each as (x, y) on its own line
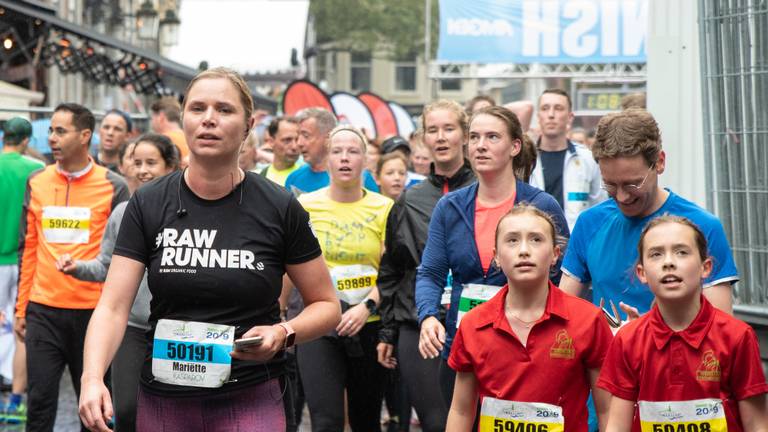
(66, 197)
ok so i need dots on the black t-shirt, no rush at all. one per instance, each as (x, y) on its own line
(221, 263)
(552, 166)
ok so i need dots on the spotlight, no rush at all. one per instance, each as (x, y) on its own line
(8, 43)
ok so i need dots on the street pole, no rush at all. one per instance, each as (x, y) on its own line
(428, 48)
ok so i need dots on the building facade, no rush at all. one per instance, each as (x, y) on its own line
(706, 86)
(405, 81)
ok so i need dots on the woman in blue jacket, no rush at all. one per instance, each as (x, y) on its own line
(462, 231)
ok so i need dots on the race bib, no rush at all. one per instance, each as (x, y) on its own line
(353, 282)
(498, 415)
(192, 353)
(473, 295)
(702, 415)
(66, 224)
(445, 299)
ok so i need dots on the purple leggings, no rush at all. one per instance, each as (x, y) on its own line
(257, 408)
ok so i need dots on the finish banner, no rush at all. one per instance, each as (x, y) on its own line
(543, 31)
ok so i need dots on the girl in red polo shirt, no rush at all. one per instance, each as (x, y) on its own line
(532, 352)
(683, 366)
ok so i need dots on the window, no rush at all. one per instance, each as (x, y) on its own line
(405, 72)
(735, 81)
(405, 76)
(450, 84)
(321, 70)
(360, 71)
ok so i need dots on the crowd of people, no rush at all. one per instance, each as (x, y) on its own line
(208, 276)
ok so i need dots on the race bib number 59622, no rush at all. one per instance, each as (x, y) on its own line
(66, 224)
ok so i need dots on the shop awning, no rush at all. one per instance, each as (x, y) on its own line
(43, 38)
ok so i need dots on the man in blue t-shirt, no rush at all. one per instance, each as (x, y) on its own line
(602, 249)
(314, 126)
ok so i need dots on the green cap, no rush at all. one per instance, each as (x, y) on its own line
(17, 129)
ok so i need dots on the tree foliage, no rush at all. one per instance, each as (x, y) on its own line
(370, 25)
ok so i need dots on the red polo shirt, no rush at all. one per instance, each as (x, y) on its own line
(570, 338)
(716, 357)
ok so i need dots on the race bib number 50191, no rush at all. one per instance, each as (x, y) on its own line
(192, 353)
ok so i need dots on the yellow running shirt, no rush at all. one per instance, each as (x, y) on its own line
(279, 176)
(351, 236)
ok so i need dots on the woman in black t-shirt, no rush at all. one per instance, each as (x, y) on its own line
(215, 242)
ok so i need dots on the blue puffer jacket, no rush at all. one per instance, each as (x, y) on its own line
(451, 246)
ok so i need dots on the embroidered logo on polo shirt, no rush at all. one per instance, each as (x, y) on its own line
(563, 346)
(709, 370)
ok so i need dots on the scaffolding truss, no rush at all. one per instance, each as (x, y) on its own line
(603, 71)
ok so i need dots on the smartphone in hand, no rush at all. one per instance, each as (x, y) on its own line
(245, 343)
(613, 321)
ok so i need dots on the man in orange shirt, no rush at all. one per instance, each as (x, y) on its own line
(165, 120)
(66, 208)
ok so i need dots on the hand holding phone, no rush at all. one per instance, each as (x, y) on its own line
(614, 319)
(245, 343)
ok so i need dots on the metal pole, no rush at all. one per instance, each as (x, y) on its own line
(428, 45)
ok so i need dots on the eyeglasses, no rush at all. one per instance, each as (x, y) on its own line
(629, 188)
(59, 131)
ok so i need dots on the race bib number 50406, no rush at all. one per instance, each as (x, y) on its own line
(498, 415)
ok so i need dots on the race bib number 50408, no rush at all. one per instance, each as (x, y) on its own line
(701, 415)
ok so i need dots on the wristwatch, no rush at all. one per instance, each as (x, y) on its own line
(371, 305)
(290, 334)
